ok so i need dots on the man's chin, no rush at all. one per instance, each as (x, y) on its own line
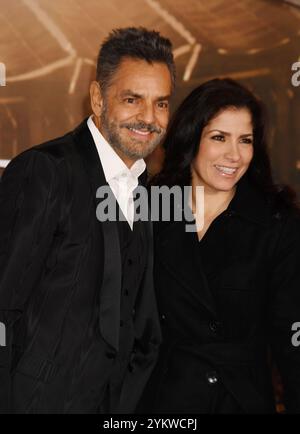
(141, 151)
(137, 155)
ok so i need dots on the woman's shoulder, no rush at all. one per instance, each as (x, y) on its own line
(285, 215)
(283, 205)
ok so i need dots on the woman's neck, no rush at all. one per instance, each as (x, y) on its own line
(213, 201)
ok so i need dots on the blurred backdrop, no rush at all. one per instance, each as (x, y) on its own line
(49, 48)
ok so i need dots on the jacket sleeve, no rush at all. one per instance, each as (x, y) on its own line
(28, 215)
(285, 311)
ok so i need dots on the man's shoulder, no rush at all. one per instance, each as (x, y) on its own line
(55, 150)
(47, 156)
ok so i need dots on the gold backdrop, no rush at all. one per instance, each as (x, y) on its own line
(49, 49)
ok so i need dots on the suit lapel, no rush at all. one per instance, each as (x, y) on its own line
(110, 293)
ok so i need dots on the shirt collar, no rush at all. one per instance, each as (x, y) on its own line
(113, 166)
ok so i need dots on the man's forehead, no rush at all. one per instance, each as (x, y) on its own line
(133, 62)
(135, 72)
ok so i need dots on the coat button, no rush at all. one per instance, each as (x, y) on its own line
(111, 355)
(163, 317)
(215, 326)
(212, 377)
(230, 213)
(130, 368)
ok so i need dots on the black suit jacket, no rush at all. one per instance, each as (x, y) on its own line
(60, 277)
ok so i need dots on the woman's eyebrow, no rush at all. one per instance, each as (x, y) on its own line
(225, 133)
(246, 135)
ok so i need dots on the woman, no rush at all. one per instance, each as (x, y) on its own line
(229, 292)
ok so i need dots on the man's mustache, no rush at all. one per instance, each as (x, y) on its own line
(142, 126)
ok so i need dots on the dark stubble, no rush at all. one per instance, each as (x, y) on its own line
(131, 147)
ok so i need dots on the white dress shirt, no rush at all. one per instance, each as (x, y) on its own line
(119, 177)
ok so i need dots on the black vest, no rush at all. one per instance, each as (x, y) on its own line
(134, 252)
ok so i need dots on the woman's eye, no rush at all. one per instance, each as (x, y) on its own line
(247, 141)
(163, 105)
(219, 138)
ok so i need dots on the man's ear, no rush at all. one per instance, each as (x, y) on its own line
(96, 98)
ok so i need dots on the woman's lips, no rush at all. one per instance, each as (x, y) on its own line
(226, 170)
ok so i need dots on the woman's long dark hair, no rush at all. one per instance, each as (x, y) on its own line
(183, 136)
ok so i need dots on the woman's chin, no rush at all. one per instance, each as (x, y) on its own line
(223, 185)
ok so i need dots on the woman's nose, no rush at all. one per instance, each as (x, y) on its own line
(233, 152)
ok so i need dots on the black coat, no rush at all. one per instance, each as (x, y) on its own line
(222, 321)
(60, 277)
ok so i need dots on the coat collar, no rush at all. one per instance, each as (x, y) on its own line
(88, 152)
(250, 204)
(110, 292)
(178, 249)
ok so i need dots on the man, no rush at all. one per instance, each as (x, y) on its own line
(76, 293)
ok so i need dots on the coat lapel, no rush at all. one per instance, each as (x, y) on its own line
(110, 292)
(179, 251)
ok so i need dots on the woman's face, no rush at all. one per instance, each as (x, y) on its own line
(225, 151)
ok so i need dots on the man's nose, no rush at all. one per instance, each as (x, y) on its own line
(146, 114)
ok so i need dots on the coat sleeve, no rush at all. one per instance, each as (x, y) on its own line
(285, 311)
(28, 215)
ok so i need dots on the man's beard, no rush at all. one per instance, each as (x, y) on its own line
(131, 147)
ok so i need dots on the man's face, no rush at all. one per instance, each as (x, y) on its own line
(135, 108)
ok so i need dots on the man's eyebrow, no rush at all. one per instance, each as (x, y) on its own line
(131, 93)
(225, 133)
